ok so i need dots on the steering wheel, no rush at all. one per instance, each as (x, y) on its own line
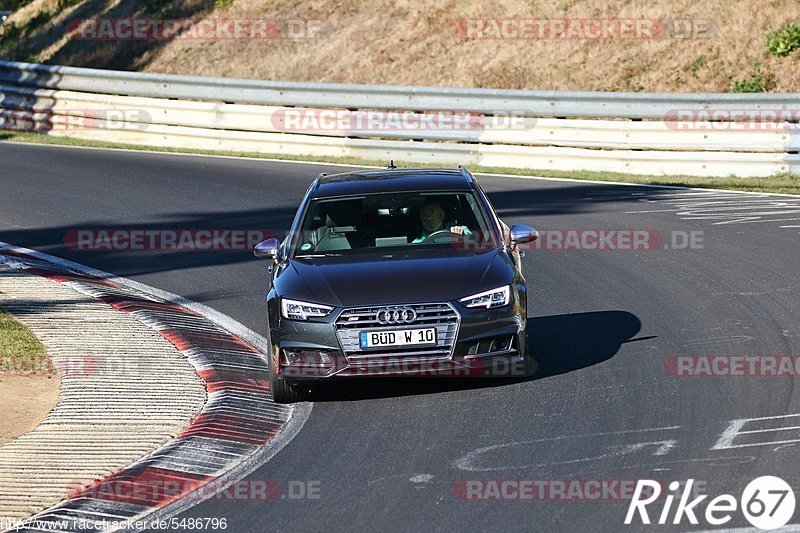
(437, 237)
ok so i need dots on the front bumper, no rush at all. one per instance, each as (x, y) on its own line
(485, 343)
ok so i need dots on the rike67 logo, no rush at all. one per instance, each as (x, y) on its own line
(767, 503)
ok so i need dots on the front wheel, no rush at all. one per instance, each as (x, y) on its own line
(529, 364)
(284, 391)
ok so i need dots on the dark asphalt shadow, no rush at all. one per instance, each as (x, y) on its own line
(560, 344)
(566, 343)
(61, 241)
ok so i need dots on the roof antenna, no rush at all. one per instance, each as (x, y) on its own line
(391, 165)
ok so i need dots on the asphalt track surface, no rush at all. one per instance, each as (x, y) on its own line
(388, 455)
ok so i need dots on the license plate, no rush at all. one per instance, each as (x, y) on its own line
(399, 337)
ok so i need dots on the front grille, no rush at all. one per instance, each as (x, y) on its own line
(353, 321)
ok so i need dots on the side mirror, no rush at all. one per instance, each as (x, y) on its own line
(267, 249)
(520, 234)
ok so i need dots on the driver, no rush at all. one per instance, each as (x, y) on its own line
(431, 215)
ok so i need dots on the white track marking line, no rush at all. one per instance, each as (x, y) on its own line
(648, 211)
(741, 220)
(464, 462)
(734, 429)
(789, 428)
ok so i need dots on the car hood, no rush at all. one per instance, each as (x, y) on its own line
(374, 279)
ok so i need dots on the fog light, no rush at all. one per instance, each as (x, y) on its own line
(491, 345)
(314, 358)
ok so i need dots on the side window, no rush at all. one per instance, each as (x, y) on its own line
(504, 230)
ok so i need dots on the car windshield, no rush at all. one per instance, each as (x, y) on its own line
(394, 222)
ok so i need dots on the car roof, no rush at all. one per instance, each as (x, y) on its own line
(394, 180)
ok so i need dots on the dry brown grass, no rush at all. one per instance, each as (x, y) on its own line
(414, 42)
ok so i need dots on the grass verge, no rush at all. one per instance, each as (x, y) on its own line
(16, 340)
(778, 183)
(29, 382)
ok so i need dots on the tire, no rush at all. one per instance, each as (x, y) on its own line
(282, 390)
(530, 365)
(285, 392)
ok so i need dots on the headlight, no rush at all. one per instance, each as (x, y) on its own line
(294, 310)
(493, 298)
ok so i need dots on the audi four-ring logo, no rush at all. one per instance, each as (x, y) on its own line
(396, 315)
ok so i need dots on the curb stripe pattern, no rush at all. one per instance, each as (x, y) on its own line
(238, 418)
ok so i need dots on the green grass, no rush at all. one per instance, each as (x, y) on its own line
(19, 348)
(754, 84)
(784, 40)
(693, 66)
(779, 183)
(16, 339)
(758, 82)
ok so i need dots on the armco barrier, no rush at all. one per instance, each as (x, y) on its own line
(516, 129)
